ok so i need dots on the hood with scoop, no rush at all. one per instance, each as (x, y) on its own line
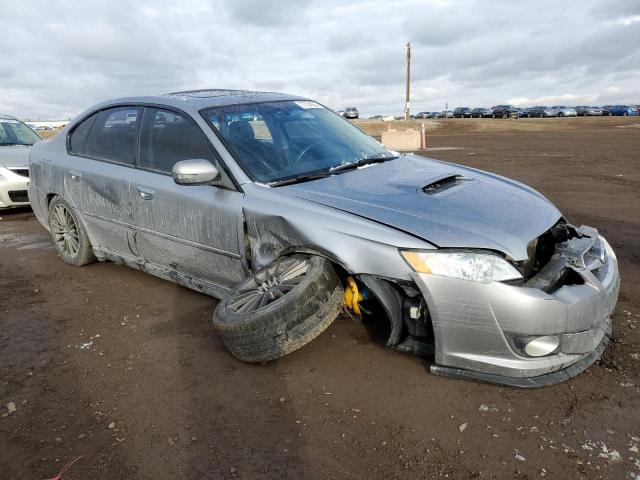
(448, 205)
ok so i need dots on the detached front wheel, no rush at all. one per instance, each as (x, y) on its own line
(280, 308)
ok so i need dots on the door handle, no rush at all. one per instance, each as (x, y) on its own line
(75, 176)
(145, 192)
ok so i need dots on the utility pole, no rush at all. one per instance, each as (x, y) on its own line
(407, 105)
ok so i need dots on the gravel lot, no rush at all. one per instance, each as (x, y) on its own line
(124, 369)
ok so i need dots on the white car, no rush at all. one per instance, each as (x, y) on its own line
(16, 140)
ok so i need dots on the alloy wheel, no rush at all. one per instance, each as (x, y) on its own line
(268, 285)
(65, 231)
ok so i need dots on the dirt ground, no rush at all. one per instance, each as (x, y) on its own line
(125, 370)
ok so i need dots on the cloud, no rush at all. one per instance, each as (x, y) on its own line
(60, 57)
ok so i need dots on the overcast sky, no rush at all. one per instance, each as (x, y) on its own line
(59, 57)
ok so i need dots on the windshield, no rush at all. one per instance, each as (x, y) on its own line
(274, 141)
(14, 132)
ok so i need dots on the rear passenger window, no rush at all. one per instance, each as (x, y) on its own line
(79, 135)
(113, 135)
(167, 138)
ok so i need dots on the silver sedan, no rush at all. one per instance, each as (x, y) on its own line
(288, 214)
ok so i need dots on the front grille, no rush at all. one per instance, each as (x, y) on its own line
(19, 196)
(20, 171)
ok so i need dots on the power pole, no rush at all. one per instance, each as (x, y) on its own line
(407, 105)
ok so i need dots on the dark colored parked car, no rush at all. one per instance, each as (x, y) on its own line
(422, 115)
(351, 112)
(462, 112)
(481, 113)
(542, 112)
(504, 111)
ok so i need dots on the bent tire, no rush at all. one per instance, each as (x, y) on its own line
(69, 236)
(279, 309)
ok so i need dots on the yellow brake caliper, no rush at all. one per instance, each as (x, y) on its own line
(352, 296)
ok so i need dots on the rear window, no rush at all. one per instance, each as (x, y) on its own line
(112, 136)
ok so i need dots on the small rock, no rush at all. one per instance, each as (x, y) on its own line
(81, 436)
(462, 427)
(194, 439)
(112, 425)
(11, 407)
(519, 457)
(233, 470)
(57, 440)
(282, 399)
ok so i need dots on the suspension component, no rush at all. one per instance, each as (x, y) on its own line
(352, 295)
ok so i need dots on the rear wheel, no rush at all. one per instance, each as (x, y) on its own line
(68, 234)
(280, 308)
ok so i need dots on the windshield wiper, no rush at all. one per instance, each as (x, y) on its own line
(300, 179)
(332, 171)
(360, 163)
(11, 144)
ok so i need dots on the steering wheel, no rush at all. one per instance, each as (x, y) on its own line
(304, 152)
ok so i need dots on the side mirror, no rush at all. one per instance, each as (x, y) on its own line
(194, 172)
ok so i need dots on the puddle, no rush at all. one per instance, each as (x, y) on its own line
(22, 241)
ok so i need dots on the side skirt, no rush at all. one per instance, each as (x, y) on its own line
(199, 285)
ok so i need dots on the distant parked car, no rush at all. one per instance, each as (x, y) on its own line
(351, 112)
(341, 113)
(523, 112)
(422, 115)
(606, 110)
(481, 113)
(622, 111)
(434, 115)
(504, 111)
(542, 112)
(462, 112)
(447, 114)
(16, 140)
(563, 111)
(586, 111)
(375, 117)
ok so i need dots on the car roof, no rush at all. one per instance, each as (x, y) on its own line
(192, 101)
(195, 100)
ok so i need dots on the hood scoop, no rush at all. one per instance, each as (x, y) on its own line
(445, 183)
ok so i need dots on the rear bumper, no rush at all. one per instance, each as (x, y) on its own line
(474, 325)
(13, 189)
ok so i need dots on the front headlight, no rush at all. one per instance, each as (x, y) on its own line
(475, 266)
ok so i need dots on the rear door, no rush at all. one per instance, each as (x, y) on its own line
(196, 230)
(102, 157)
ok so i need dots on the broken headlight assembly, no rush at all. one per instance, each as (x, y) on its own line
(480, 267)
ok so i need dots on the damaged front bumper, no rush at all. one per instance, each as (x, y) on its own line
(478, 327)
